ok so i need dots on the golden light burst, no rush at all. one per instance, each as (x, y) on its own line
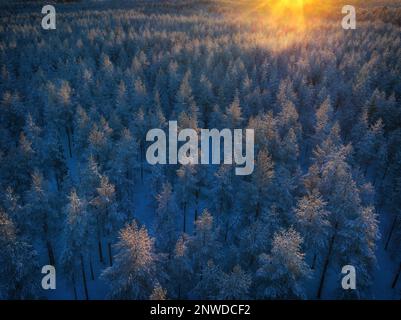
(282, 22)
(288, 13)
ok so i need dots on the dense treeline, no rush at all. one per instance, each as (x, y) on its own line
(76, 191)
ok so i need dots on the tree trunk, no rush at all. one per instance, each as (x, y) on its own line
(252, 260)
(396, 277)
(196, 204)
(84, 278)
(91, 269)
(314, 261)
(74, 286)
(110, 256)
(69, 141)
(226, 233)
(99, 244)
(141, 153)
(385, 172)
(185, 215)
(58, 179)
(257, 212)
(49, 247)
(325, 266)
(50, 252)
(391, 232)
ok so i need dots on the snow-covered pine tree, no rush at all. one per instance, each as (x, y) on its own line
(167, 218)
(234, 285)
(282, 273)
(123, 167)
(19, 264)
(204, 244)
(77, 241)
(324, 121)
(158, 293)
(105, 211)
(180, 270)
(233, 114)
(186, 187)
(222, 199)
(208, 284)
(312, 223)
(41, 216)
(261, 180)
(100, 145)
(132, 275)
(333, 177)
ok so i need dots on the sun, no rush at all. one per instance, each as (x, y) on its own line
(291, 5)
(288, 14)
(277, 24)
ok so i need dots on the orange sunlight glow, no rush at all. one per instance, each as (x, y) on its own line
(276, 23)
(289, 13)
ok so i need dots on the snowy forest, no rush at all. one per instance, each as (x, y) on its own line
(77, 193)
